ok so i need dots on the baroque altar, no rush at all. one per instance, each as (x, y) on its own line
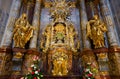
(58, 40)
(72, 39)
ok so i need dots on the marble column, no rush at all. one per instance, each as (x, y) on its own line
(36, 24)
(14, 12)
(87, 54)
(93, 8)
(108, 19)
(83, 21)
(33, 42)
(112, 37)
(30, 10)
(5, 47)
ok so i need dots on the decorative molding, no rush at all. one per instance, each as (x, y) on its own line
(101, 50)
(5, 50)
(86, 52)
(26, 51)
(49, 4)
(114, 49)
(22, 50)
(33, 52)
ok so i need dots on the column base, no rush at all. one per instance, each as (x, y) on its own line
(5, 60)
(114, 60)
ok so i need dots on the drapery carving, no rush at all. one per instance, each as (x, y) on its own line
(95, 31)
(22, 32)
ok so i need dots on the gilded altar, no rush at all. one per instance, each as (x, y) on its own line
(59, 43)
(59, 40)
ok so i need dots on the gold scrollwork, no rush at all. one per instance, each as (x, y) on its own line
(60, 64)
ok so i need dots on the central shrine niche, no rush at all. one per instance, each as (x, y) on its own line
(59, 40)
(59, 33)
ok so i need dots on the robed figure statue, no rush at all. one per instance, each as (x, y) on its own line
(95, 31)
(23, 31)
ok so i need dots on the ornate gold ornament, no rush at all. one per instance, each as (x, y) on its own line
(60, 32)
(60, 10)
(102, 55)
(95, 31)
(18, 55)
(49, 4)
(60, 62)
(23, 31)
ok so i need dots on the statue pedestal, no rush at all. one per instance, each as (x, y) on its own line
(59, 61)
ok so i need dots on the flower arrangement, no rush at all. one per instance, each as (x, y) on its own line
(90, 71)
(34, 71)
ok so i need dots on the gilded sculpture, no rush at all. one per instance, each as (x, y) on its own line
(59, 33)
(72, 35)
(60, 64)
(22, 32)
(60, 10)
(47, 35)
(18, 55)
(95, 31)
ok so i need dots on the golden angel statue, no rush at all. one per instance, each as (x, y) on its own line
(23, 31)
(95, 31)
(45, 42)
(72, 35)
